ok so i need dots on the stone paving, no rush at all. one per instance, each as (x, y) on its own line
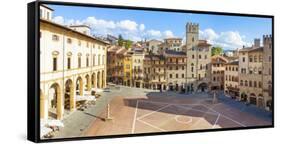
(79, 121)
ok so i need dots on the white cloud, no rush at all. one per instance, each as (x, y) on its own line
(228, 39)
(154, 33)
(168, 34)
(127, 25)
(127, 28)
(141, 27)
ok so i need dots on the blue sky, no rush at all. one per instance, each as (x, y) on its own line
(228, 31)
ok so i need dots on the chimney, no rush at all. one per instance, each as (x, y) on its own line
(257, 43)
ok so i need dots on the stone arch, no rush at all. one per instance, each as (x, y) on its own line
(203, 87)
(253, 99)
(244, 96)
(88, 82)
(98, 80)
(79, 86)
(103, 79)
(55, 102)
(69, 96)
(94, 80)
(260, 101)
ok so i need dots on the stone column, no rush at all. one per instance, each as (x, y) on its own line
(60, 106)
(72, 98)
(43, 106)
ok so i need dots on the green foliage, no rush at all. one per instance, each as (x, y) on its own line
(120, 40)
(217, 50)
(126, 43)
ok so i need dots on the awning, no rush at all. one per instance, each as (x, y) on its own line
(85, 98)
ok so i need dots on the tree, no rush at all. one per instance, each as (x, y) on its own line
(120, 40)
(128, 44)
(216, 50)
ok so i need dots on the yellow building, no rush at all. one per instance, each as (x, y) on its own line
(128, 76)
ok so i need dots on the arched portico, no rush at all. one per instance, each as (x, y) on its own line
(69, 96)
(55, 102)
(202, 87)
(99, 80)
(94, 80)
(79, 86)
(88, 83)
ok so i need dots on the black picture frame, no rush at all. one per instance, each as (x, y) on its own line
(33, 57)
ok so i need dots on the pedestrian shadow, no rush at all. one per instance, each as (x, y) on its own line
(97, 117)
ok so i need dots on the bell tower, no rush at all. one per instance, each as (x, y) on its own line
(192, 35)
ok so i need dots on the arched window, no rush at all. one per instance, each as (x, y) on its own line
(241, 82)
(99, 59)
(246, 83)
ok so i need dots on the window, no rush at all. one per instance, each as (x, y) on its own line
(255, 58)
(69, 40)
(246, 83)
(192, 56)
(243, 59)
(182, 67)
(191, 69)
(55, 64)
(251, 58)
(192, 39)
(103, 59)
(171, 68)
(176, 75)
(192, 75)
(48, 15)
(206, 57)
(171, 76)
(241, 82)
(260, 84)
(55, 38)
(214, 78)
(87, 61)
(260, 58)
(182, 75)
(177, 67)
(68, 63)
(79, 43)
(79, 62)
(98, 59)
(250, 83)
(94, 57)
(199, 56)
(255, 84)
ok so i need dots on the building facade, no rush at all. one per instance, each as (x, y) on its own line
(218, 72)
(250, 75)
(71, 63)
(153, 46)
(137, 68)
(231, 77)
(176, 70)
(198, 54)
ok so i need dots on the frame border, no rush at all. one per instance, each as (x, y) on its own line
(33, 132)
